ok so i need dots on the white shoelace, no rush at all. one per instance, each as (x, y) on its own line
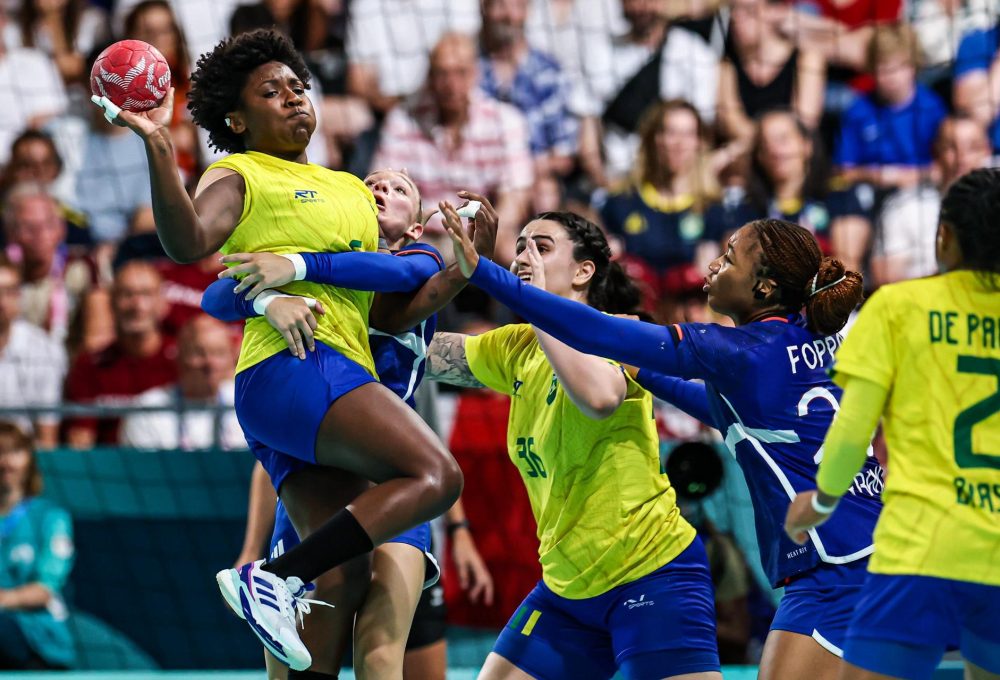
(301, 605)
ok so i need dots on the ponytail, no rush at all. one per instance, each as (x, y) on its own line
(616, 293)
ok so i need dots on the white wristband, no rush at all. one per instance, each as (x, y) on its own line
(820, 508)
(299, 263)
(261, 302)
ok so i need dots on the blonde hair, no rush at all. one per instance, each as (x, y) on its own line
(649, 169)
(892, 40)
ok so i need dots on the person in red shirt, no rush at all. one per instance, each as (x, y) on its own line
(140, 358)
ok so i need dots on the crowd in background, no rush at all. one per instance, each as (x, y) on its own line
(670, 123)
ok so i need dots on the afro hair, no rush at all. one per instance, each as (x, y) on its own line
(221, 74)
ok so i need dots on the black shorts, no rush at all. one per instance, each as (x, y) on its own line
(428, 620)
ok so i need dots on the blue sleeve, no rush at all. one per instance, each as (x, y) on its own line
(975, 52)
(632, 342)
(377, 272)
(220, 301)
(690, 397)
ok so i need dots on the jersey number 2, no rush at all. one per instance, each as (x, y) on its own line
(965, 457)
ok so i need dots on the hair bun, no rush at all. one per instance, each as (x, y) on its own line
(830, 272)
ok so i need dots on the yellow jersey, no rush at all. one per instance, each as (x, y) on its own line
(934, 344)
(296, 207)
(605, 511)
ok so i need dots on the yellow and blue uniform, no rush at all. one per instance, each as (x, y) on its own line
(625, 583)
(765, 388)
(293, 207)
(36, 546)
(933, 346)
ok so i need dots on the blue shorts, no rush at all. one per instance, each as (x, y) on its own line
(904, 623)
(284, 538)
(821, 602)
(661, 624)
(281, 401)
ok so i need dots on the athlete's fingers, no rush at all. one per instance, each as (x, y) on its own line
(238, 258)
(463, 573)
(248, 280)
(289, 340)
(307, 335)
(477, 589)
(311, 320)
(319, 309)
(239, 270)
(486, 205)
(300, 350)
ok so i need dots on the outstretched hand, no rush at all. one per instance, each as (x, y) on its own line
(144, 123)
(482, 228)
(465, 251)
(259, 271)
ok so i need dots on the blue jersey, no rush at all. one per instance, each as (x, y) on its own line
(400, 359)
(771, 398)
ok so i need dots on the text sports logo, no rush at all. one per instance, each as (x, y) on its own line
(631, 604)
(308, 196)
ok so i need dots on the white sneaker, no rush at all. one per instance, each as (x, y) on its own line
(270, 604)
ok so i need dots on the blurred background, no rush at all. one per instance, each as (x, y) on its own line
(670, 123)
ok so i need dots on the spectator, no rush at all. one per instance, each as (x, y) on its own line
(788, 180)
(389, 42)
(153, 21)
(32, 365)
(205, 361)
(841, 30)
(654, 60)
(659, 215)
(908, 222)
(35, 158)
(66, 30)
(886, 138)
(453, 136)
(977, 80)
(53, 280)
(203, 24)
(763, 70)
(513, 72)
(33, 89)
(112, 182)
(140, 358)
(36, 556)
(940, 26)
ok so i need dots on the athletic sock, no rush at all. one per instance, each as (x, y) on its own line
(334, 543)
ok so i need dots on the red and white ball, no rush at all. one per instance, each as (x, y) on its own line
(132, 74)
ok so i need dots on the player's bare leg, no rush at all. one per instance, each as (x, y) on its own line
(426, 663)
(311, 496)
(384, 620)
(792, 655)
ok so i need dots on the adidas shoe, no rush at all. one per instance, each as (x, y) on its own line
(270, 605)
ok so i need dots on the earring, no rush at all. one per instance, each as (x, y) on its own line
(229, 123)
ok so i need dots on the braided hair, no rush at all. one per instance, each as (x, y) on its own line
(971, 206)
(611, 290)
(791, 256)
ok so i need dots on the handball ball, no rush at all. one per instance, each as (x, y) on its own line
(132, 74)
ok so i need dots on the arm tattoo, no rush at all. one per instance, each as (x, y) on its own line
(446, 361)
